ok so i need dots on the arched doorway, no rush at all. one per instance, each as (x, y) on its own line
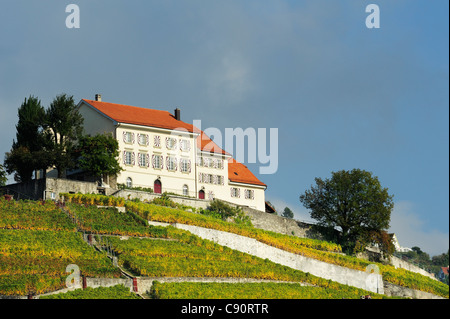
(201, 194)
(157, 186)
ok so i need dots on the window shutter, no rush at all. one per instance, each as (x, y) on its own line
(124, 157)
(148, 159)
(133, 158)
(124, 135)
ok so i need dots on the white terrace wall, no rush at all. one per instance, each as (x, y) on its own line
(369, 281)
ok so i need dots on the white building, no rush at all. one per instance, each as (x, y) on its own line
(159, 151)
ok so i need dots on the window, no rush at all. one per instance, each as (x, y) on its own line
(235, 192)
(171, 143)
(249, 194)
(157, 161)
(185, 145)
(129, 182)
(128, 158)
(185, 165)
(185, 190)
(142, 139)
(128, 137)
(143, 159)
(171, 163)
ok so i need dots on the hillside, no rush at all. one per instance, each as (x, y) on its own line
(39, 240)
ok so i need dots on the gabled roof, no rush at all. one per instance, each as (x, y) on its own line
(140, 116)
(239, 173)
(444, 270)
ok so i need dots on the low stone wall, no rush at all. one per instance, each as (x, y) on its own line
(399, 291)
(55, 186)
(399, 263)
(364, 280)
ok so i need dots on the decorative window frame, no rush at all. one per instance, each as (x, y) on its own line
(249, 194)
(185, 145)
(157, 141)
(171, 143)
(160, 159)
(171, 163)
(185, 165)
(131, 158)
(128, 137)
(143, 160)
(146, 139)
(235, 192)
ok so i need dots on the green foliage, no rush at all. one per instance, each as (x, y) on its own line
(114, 292)
(28, 152)
(287, 213)
(352, 200)
(98, 155)
(3, 178)
(65, 125)
(164, 200)
(138, 188)
(110, 221)
(36, 260)
(218, 208)
(422, 259)
(25, 214)
(264, 290)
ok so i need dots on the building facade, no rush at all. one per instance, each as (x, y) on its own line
(159, 151)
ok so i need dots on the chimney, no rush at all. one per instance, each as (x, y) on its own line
(98, 97)
(177, 114)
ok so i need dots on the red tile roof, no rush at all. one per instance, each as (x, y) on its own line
(445, 270)
(140, 116)
(239, 173)
(206, 144)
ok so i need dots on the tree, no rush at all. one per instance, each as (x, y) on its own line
(98, 155)
(287, 213)
(3, 178)
(28, 152)
(353, 201)
(64, 124)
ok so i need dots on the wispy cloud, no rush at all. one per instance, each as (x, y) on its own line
(411, 231)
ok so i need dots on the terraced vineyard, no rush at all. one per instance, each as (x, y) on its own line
(39, 239)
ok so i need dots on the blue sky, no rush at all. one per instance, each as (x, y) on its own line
(341, 95)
